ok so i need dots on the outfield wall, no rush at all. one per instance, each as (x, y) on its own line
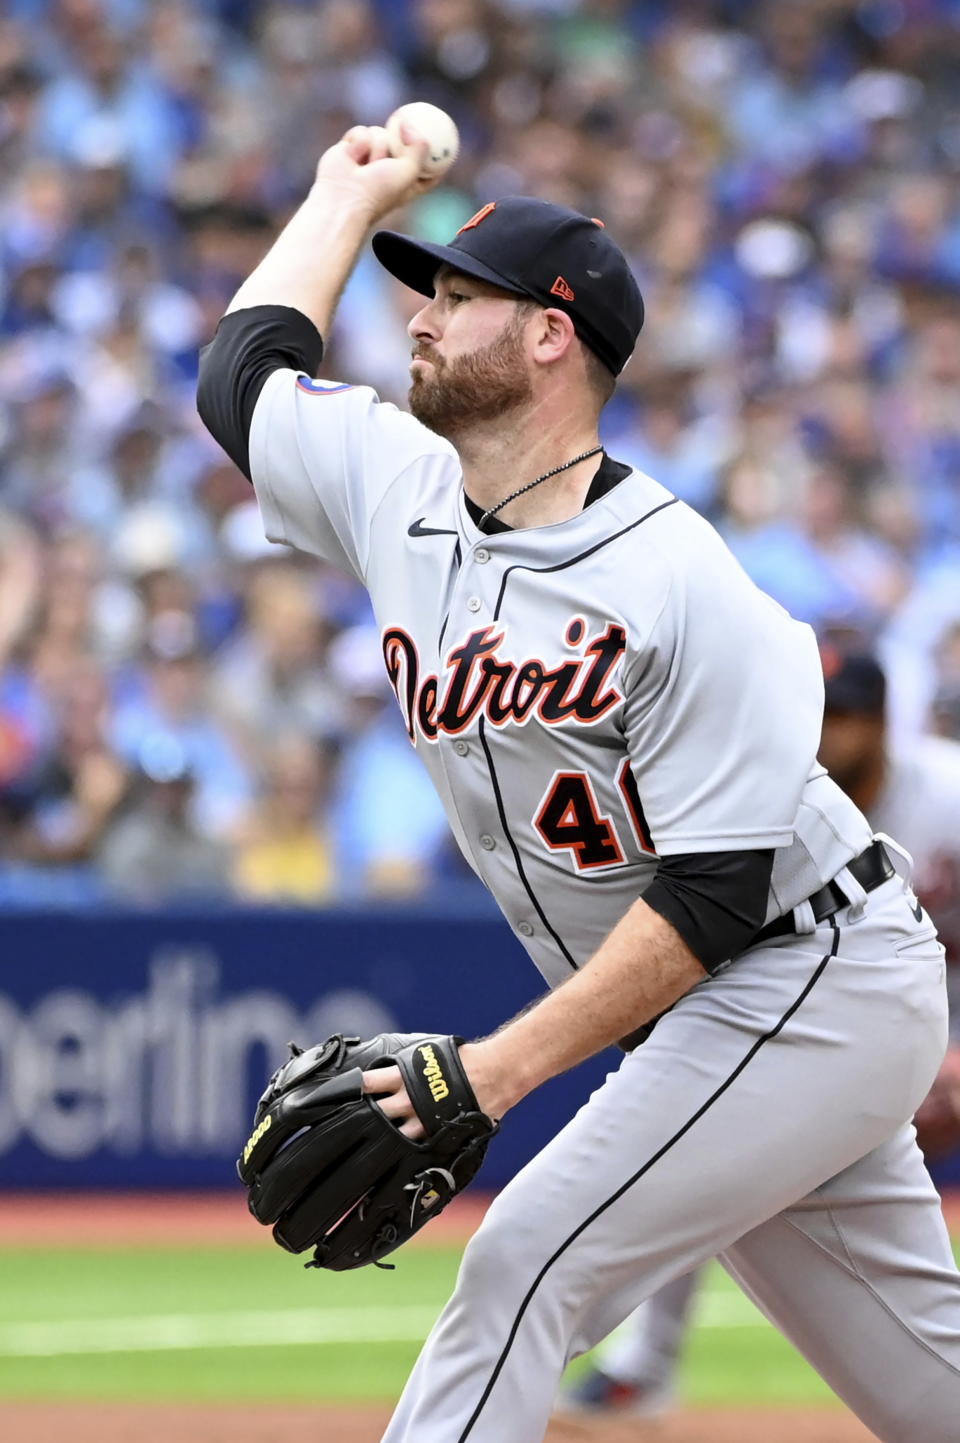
(133, 1045)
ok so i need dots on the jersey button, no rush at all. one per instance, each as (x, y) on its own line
(524, 929)
(481, 554)
(460, 748)
(473, 604)
(487, 842)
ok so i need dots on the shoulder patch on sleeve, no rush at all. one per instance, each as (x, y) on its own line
(320, 388)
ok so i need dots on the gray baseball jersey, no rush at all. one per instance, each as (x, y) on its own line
(586, 697)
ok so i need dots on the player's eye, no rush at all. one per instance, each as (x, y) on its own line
(454, 297)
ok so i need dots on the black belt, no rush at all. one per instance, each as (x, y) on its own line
(871, 869)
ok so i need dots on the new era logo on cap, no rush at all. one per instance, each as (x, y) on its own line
(548, 252)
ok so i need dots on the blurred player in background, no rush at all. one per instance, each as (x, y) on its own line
(913, 795)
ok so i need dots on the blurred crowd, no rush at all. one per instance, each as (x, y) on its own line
(187, 710)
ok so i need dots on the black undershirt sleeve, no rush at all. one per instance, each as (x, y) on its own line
(717, 901)
(248, 346)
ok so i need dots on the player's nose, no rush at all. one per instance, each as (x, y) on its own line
(423, 326)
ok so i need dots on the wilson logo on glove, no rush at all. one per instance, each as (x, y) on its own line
(433, 1074)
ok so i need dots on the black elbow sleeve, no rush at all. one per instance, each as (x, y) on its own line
(248, 346)
(717, 901)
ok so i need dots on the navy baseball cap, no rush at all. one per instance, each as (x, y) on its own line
(551, 254)
(852, 682)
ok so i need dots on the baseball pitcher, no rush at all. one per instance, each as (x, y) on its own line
(624, 733)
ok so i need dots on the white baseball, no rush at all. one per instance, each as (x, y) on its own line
(435, 126)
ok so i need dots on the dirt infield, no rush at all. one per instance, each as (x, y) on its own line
(82, 1423)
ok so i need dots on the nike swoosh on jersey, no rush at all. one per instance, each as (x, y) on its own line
(418, 529)
(917, 912)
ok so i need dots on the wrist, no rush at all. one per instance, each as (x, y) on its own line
(498, 1073)
(347, 202)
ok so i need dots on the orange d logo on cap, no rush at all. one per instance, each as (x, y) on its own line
(481, 214)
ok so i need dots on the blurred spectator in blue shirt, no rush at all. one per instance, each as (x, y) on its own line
(168, 706)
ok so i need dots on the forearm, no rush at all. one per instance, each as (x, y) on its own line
(359, 181)
(641, 969)
(309, 263)
(288, 302)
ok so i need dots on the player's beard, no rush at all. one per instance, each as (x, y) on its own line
(454, 396)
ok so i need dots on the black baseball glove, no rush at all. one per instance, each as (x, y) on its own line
(329, 1170)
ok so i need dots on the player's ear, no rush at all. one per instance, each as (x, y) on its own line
(553, 335)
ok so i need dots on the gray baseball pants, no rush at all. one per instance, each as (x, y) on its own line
(766, 1120)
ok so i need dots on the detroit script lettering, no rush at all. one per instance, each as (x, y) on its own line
(477, 681)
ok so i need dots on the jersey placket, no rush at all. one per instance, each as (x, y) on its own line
(480, 781)
(459, 743)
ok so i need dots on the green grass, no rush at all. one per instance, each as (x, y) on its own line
(88, 1285)
(734, 1366)
(64, 1301)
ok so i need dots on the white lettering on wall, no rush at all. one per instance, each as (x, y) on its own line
(174, 1068)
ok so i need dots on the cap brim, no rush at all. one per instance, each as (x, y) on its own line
(416, 263)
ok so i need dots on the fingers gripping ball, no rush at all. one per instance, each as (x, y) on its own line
(435, 126)
(328, 1170)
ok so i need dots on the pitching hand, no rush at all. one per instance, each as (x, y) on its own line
(361, 163)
